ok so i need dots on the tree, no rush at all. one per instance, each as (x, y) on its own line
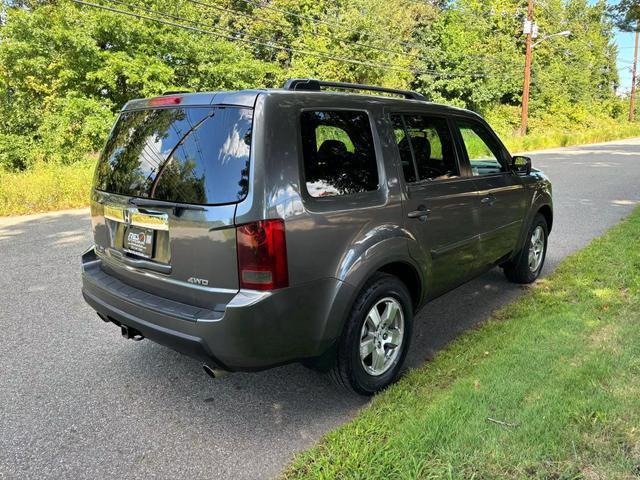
(626, 14)
(66, 70)
(57, 60)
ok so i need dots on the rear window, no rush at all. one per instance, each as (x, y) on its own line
(187, 155)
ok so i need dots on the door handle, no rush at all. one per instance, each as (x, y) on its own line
(490, 200)
(421, 213)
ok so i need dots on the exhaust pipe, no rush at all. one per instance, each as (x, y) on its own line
(214, 372)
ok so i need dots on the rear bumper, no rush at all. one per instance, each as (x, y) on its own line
(256, 330)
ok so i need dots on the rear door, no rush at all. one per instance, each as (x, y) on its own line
(164, 199)
(441, 201)
(502, 196)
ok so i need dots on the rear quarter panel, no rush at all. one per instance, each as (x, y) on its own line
(343, 237)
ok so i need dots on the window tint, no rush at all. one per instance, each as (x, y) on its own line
(408, 168)
(425, 145)
(188, 155)
(482, 149)
(338, 153)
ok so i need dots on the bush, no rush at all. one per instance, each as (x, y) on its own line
(46, 187)
(504, 119)
(552, 139)
(16, 152)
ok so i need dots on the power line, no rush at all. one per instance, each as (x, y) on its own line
(222, 35)
(388, 40)
(234, 36)
(423, 49)
(256, 4)
(273, 22)
(254, 42)
(283, 11)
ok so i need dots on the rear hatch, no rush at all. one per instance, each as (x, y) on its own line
(165, 191)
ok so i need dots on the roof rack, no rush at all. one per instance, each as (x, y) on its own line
(310, 84)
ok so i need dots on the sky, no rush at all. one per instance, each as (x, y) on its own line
(625, 42)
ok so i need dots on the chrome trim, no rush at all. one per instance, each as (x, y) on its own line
(113, 212)
(133, 216)
(154, 221)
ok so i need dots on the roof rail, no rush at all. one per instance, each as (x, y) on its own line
(311, 84)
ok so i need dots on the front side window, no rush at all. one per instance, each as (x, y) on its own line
(482, 149)
(338, 153)
(426, 148)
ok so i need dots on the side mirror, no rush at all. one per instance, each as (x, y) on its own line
(521, 165)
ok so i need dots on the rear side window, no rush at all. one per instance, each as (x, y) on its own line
(426, 148)
(338, 153)
(187, 155)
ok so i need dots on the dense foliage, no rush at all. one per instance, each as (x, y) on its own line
(66, 69)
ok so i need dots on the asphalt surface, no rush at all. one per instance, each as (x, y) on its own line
(78, 401)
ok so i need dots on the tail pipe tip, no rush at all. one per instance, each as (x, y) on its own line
(214, 372)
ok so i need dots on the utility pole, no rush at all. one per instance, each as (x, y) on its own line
(527, 70)
(632, 101)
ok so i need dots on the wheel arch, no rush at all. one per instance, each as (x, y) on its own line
(408, 275)
(400, 266)
(547, 213)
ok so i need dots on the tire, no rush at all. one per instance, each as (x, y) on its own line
(520, 270)
(387, 294)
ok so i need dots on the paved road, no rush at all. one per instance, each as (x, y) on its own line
(77, 401)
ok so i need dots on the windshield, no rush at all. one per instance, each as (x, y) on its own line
(188, 155)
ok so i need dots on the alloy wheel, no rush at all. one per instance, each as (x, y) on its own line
(381, 336)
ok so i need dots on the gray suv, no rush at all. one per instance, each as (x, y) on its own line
(255, 228)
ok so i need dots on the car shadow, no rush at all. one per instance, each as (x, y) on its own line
(292, 397)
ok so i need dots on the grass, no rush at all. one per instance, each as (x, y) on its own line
(45, 188)
(553, 139)
(560, 367)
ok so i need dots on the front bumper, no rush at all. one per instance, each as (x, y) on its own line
(256, 330)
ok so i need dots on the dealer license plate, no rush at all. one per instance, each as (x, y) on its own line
(139, 241)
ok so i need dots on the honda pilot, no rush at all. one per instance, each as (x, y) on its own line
(255, 228)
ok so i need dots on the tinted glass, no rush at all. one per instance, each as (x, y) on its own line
(339, 156)
(406, 159)
(482, 149)
(188, 155)
(429, 141)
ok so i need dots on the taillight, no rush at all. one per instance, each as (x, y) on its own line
(166, 100)
(262, 255)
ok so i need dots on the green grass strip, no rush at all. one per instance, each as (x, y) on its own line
(560, 368)
(555, 138)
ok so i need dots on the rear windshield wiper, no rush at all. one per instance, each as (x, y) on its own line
(151, 203)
